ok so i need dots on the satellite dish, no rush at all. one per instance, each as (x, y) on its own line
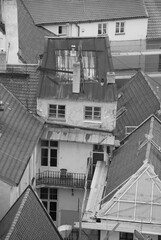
(65, 230)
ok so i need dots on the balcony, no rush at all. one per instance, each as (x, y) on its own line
(62, 179)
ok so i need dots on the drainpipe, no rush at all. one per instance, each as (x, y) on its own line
(77, 25)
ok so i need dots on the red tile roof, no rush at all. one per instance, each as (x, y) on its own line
(141, 97)
(20, 132)
(49, 11)
(28, 219)
(154, 22)
(31, 37)
(130, 156)
(22, 81)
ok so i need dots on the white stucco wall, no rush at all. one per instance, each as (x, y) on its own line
(72, 156)
(132, 32)
(75, 113)
(9, 16)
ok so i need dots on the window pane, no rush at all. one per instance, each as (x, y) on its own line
(60, 29)
(53, 193)
(52, 110)
(88, 112)
(99, 28)
(53, 143)
(61, 111)
(53, 157)
(44, 193)
(44, 157)
(52, 211)
(97, 113)
(44, 143)
(104, 28)
(117, 27)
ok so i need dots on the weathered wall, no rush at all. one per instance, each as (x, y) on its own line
(75, 113)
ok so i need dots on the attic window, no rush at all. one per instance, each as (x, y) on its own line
(62, 30)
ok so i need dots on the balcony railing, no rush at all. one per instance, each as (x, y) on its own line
(62, 179)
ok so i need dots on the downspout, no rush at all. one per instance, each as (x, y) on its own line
(77, 25)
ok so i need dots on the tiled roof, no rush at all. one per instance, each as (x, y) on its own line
(22, 81)
(31, 37)
(133, 151)
(140, 97)
(49, 11)
(28, 219)
(91, 89)
(20, 131)
(154, 22)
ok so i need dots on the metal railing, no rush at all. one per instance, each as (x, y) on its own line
(62, 179)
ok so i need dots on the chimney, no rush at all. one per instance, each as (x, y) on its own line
(76, 78)
(10, 19)
(110, 77)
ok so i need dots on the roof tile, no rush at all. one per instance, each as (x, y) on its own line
(83, 11)
(20, 132)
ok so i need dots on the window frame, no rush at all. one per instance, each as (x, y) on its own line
(58, 115)
(101, 28)
(62, 32)
(48, 200)
(119, 32)
(93, 116)
(50, 161)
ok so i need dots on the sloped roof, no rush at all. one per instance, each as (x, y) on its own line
(28, 219)
(31, 37)
(133, 151)
(83, 11)
(20, 131)
(140, 97)
(138, 200)
(154, 22)
(91, 89)
(22, 81)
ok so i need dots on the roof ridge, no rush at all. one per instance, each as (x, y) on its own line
(15, 220)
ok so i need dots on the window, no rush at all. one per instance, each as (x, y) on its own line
(48, 197)
(120, 28)
(126, 236)
(62, 30)
(57, 111)
(93, 113)
(49, 152)
(102, 28)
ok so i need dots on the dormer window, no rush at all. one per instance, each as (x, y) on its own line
(102, 28)
(62, 30)
(92, 113)
(57, 111)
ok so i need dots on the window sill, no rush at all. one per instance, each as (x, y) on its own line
(119, 33)
(92, 121)
(56, 120)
